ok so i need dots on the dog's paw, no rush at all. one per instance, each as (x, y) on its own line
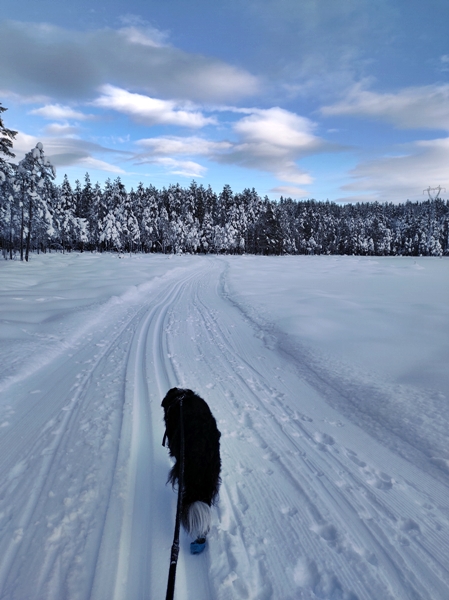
(198, 546)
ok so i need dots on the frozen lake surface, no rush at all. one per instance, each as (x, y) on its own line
(328, 378)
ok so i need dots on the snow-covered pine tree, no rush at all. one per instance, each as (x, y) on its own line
(104, 207)
(7, 204)
(93, 233)
(236, 227)
(9, 213)
(44, 228)
(198, 201)
(207, 234)
(269, 233)
(285, 213)
(6, 143)
(191, 237)
(85, 198)
(174, 198)
(164, 230)
(65, 216)
(137, 199)
(150, 233)
(129, 225)
(111, 223)
(220, 242)
(253, 207)
(32, 177)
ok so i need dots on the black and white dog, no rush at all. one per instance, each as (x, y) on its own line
(202, 462)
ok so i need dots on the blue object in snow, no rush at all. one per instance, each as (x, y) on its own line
(198, 546)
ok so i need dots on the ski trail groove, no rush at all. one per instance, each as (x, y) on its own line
(47, 434)
(134, 572)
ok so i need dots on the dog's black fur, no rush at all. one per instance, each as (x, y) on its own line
(202, 462)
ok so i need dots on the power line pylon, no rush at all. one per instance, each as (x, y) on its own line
(434, 193)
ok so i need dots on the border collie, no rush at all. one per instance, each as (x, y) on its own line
(202, 462)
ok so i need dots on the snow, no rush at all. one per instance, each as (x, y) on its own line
(328, 379)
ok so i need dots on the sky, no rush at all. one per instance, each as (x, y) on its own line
(343, 101)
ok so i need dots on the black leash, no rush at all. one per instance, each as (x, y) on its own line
(175, 545)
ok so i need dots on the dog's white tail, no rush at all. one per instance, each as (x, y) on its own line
(198, 520)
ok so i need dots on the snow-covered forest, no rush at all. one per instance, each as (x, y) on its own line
(38, 215)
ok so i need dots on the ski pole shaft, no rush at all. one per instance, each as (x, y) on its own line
(175, 545)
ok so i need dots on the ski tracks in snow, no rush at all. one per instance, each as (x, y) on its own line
(79, 505)
(310, 505)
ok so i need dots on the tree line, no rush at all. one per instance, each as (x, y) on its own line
(38, 215)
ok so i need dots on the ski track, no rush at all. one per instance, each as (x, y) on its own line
(310, 505)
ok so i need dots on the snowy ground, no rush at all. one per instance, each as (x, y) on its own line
(328, 379)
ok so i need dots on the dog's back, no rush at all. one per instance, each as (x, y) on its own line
(202, 462)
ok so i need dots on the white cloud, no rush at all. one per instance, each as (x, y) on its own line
(150, 111)
(163, 151)
(89, 162)
(289, 191)
(56, 112)
(23, 143)
(147, 36)
(185, 168)
(277, 128)
(273, 140)
(61, 130)
(24, 98)
(398, 178)
(139, 31)
(174, 145)
(69, 151)
(413, 107)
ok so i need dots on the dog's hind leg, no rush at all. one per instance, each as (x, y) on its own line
(197, 523)
(197, 519)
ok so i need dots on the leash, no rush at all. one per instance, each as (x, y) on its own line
(175, 545)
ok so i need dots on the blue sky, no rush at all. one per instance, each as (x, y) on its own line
(345, 101)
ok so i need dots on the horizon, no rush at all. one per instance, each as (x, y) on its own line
(217, 192)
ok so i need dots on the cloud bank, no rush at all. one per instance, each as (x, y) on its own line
(270, 140)
(70, 151)
(420, 165)
(411, 108)
(63, 64)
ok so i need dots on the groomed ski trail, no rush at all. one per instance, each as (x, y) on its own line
(310, 505)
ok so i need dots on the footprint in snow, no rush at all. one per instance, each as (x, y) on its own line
(336, 423)
(243, 469)
(322, 583)
(352, 456)
(323, 440)
(409, 526)
(270, 455)
(246, 420)
(327, 532)
(289, 511)
(306, 418)
(380, 480)
(242, 503)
